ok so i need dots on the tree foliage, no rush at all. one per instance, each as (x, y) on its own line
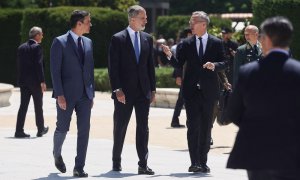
(209, 6)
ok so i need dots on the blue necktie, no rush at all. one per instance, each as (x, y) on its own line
(136, 47)
(80, 50)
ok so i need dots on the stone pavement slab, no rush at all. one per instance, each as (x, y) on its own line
(31, 158)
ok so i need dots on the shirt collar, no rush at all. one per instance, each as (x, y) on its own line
(74, 36)
(204, 36)
(131, 31)
(34, 41)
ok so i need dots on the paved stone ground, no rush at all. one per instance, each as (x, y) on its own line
(31, 158)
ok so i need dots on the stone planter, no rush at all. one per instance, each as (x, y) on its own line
(5, 93)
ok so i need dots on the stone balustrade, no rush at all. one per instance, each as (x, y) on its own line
(5, 93)
(165, 97)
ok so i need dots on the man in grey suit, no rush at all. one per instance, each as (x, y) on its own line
(72, 72)
(265, 106)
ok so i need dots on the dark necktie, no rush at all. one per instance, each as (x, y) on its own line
(80, 50)
(136, 47)
(255, 49)
(200, 49)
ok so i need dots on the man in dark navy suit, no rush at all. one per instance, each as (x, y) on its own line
(265, 106)
(204, 56)
(72, 71)
(132, 78)
(31, 81)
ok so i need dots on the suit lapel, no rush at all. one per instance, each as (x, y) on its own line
(144, 46)
(208, 46)
(194, 48)
(129, 45)
(86, 46)
(73, 45)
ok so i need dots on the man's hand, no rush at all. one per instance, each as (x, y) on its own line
(209, 65)
(92, 105)
(178, 81)
(152, 97)
(227, 86)
(167, 51)
(61, 101)
(43, 87)
(121, 96)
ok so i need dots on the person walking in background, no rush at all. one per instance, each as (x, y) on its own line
(178, 75)
(31, 80)
(265, 106)
(204, 57)
(248, 52)
(72, 72)
(132, 78)
(230, 50)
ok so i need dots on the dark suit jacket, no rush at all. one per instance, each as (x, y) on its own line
(30, 64)
(265, 105)
(124, 71)
(69, 77)
(194, 72)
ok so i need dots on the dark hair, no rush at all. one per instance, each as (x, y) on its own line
(279, 29)
(77, 15)
(184, 33)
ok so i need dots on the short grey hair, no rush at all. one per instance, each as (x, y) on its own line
(253, 28)
(202, 16)
(35, 31)
(134, 10)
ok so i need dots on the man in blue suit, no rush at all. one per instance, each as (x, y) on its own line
(72, 72)
(265, 106)
(132, 79)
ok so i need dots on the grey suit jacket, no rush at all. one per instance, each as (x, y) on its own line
(69, 77)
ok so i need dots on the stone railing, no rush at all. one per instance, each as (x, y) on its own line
(165, 97)
(5, 93)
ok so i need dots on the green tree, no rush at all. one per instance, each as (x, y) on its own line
(209, 6)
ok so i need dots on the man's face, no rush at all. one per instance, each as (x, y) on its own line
(39, 37)
(250, 35)
(139, 22)
(197, 26)
(85, 25)
(226, 36)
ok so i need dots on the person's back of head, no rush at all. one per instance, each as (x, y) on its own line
(279, 29)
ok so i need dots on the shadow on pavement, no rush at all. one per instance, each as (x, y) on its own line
(113, 174)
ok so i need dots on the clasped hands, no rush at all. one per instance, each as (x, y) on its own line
(168, 53)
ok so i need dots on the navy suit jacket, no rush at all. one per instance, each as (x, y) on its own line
(30, 64)
(69, 77)
(265, 105)
(194, 71)
(124, 71)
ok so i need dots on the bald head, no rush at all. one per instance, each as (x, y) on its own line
(251, 34)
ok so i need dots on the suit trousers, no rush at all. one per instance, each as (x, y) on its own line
(199, 121)
(273, 174)
(37, 95)
(83, 112)
(122, 114)
(178, 108)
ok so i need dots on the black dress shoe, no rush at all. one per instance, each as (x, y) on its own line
(145, 170)
(59, 164)
(205, 168)
(41, 133)
(21, 135)
(195, 168)
(79, 173)
(177, 126)
(117, 166)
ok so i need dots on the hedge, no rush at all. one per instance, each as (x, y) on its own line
(10, 40)
(163, 78)
(263, 9)
(54, 22)
(170, 26)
